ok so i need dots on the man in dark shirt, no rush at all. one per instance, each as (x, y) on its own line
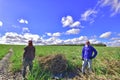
(28, 57)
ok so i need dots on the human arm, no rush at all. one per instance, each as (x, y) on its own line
(83, 53)
(34, 52)
(95, 53)
(24, 52)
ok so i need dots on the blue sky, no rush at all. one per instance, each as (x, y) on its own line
(60, 21)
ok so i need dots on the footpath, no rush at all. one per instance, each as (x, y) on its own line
(4, 67)
(4, 64)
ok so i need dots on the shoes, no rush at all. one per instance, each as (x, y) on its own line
(24, 78)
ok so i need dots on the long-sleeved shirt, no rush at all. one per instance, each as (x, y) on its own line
(29, 52)
(87, 52)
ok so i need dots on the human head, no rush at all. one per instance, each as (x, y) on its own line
(30, 43)
(87, 42)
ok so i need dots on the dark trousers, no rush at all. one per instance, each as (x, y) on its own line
(27, 62)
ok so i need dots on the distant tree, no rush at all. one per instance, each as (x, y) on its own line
(100, 44)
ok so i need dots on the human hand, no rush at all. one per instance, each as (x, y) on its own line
(82, 58)
(91, 57)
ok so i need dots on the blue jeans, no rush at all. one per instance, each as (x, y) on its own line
(87, 62)
(27, 62)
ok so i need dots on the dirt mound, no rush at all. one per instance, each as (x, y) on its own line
(54, 63)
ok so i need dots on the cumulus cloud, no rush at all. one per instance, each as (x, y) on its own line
(79, 40)
(77, 23)
(1, 23)
(114, 4)
(23, 21)
(52, 40)
(14, 38)
(49, 34)
(113, 39)
(95, 41)
(57, 34)
(89, 15)
(114, 42)
(73, 31)
(82, 40)
(68, 21)
(25, 29)
(30, 36)
(54, 34)
(105, 35)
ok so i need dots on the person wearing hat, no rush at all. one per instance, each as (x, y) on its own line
(87, 56)
(28, 57)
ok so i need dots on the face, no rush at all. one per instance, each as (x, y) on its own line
(30, 42)
(87, 43)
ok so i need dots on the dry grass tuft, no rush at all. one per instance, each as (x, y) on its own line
(53, 63)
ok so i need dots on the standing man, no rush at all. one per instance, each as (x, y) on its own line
(28, 57)
(87, 56)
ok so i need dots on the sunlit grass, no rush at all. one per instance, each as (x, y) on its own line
(16, 59)
(4, 50)
(105, 65)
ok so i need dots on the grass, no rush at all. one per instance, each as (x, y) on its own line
(16, 59)
(4, 50)
(105, 65)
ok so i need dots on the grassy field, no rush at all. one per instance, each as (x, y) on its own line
(105, 66)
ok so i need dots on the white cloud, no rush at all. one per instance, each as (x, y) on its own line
(23, 21)
(115, 39)
(114, 42)
(89, 15)
(77, 23)
(119, 34)
(68, 21)
(53, 40)
(73, 31)
(105, 35)
(79, 40)
(14, 38)
(82, 40)
(114, 4)
(54, 34)
(1, 23)
(94, 41)
(25, 29)
(30, 36)
(49, 34)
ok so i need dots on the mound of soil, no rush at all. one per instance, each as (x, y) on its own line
(54, 63)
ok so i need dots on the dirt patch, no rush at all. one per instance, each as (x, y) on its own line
(5, 73)
(4, 65)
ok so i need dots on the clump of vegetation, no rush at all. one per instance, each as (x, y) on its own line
(54, 63)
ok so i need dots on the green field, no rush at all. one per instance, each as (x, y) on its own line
(105, 66)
